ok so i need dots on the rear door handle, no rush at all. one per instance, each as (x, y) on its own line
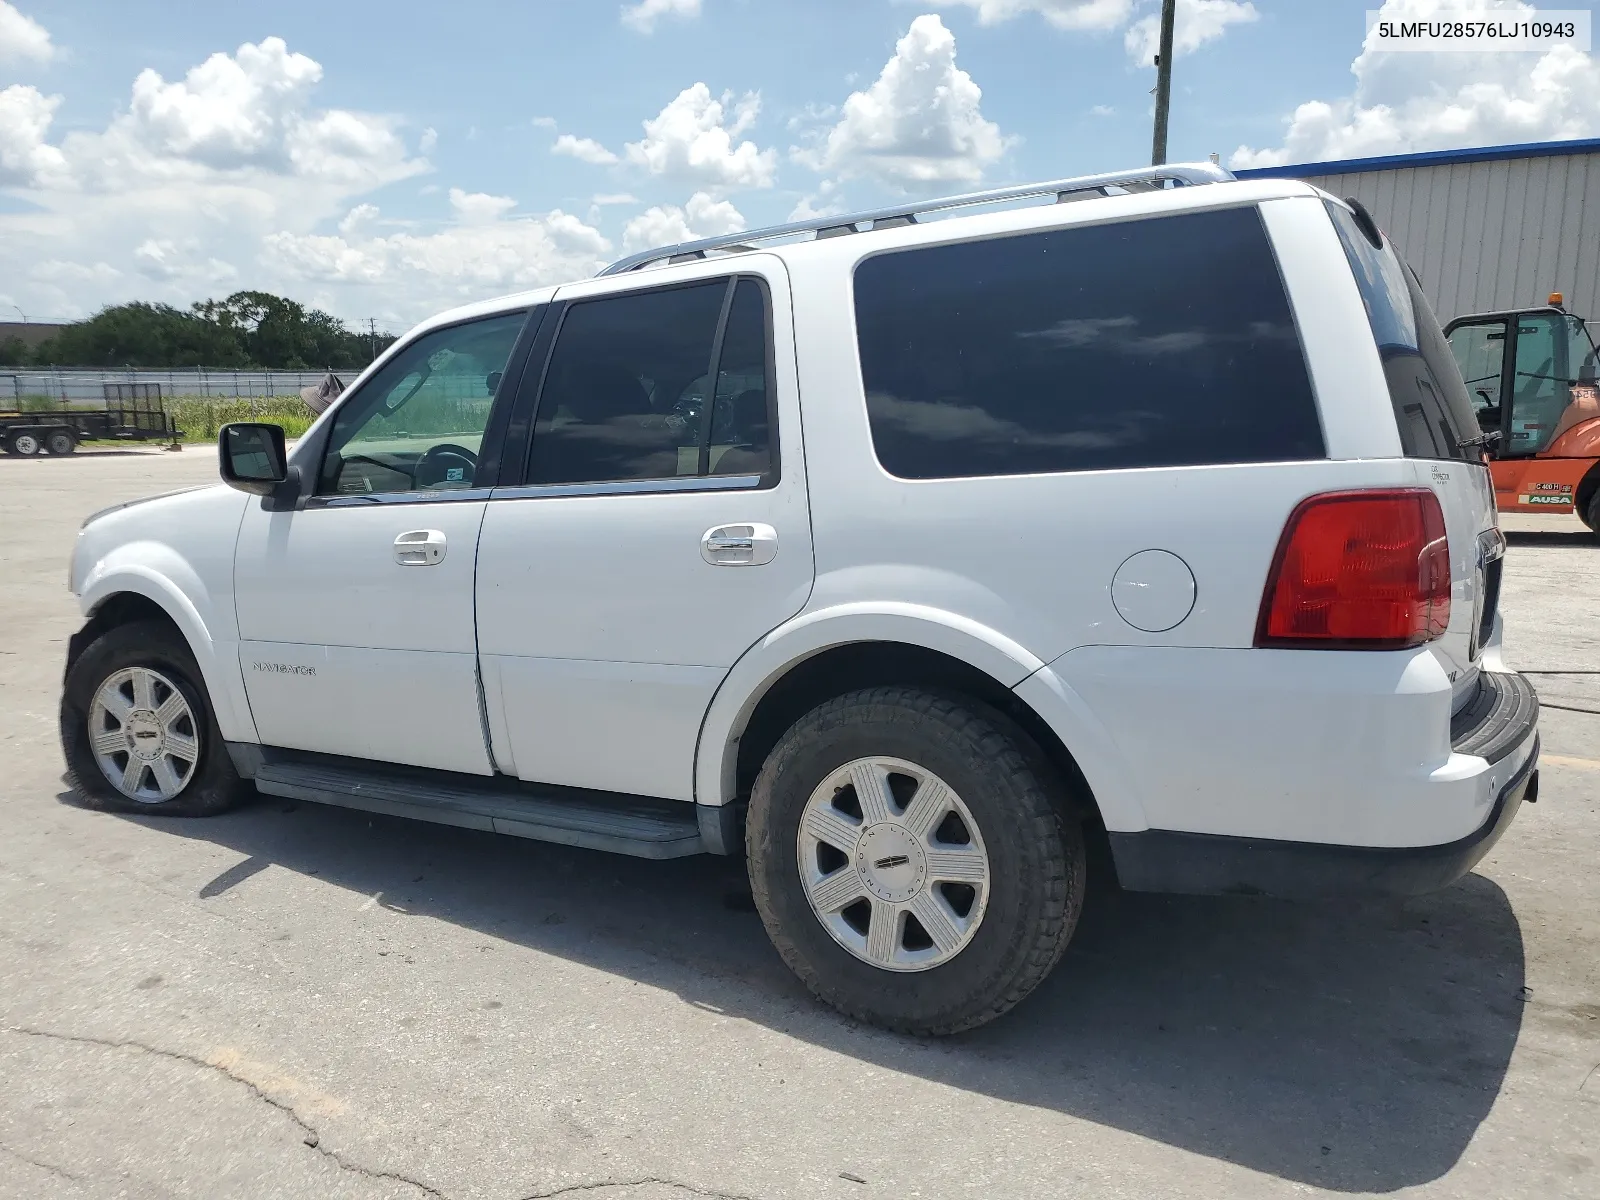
(420, 548)
(752, 545)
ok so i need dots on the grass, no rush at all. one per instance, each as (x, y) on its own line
(201, 416)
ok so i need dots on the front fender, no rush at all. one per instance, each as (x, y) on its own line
(809, 634)
(177, 553)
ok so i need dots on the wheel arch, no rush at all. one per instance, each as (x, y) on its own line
(130, 593)
(802, 665)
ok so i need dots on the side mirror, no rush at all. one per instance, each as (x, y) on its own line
(251, 457)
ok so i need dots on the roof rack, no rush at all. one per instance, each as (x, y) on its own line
(1078, 188)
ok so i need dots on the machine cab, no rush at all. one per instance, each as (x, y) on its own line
(1531, 374)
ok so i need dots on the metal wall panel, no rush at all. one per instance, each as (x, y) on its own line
(1489, 235)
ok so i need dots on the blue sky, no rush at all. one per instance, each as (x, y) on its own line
(390, 159)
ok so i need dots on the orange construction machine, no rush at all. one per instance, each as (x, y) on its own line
(1531, 374)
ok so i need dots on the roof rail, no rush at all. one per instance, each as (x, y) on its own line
(1138, 179)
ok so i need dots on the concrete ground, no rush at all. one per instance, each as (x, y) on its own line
(295, 1001)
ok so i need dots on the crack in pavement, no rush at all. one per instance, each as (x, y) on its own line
(315, 1142)
(42, 1165)
(573, 1189)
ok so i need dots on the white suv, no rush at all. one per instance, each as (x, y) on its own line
(904, 555)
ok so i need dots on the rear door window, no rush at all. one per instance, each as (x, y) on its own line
(1153, 343)
(1431, 408)
(660, 384)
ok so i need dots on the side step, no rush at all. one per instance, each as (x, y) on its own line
(636, 825)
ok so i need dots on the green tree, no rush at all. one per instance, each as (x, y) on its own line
(246, 329)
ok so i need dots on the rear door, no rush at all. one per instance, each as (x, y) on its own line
(659, 528)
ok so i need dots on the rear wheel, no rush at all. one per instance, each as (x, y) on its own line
(909, 860)
(137, 729)
(60, 441)
(24, 443)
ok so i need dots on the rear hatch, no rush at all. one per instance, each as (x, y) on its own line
(1437, 429)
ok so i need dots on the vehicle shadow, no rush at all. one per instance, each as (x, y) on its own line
(1355, 1047)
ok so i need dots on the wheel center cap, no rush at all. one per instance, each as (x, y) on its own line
(143, 732)
(891, 862)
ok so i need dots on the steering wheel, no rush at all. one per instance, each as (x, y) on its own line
(447, 464)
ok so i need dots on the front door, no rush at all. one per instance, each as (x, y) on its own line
(660, 531)
(356, 622)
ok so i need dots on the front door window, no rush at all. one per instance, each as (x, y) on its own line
(417, 424)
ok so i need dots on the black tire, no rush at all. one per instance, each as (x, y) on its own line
(214, 785)
(60, 442)
(1591, 515)
(1035, 850)
(24, 442)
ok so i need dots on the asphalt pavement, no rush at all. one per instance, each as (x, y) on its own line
(298, 1001)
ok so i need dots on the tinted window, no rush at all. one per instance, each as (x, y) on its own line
(1162, 342)
(418, 423)
(626, 391)
(741, 422)
(1431, 407)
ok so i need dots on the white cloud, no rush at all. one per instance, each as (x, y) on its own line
(461, 262)
(1098, 15)
(1406, 102)
(694, 138)
(428, 141)
(642, 17)
(359, 220)
(168, 261)
(543, 122)
(184, 180)
(1195, 23)
(583, 149)
(22, 37)
(26, 159)
(919, 123)
(476, 208)
(1102, 110)
(703, 216)
(608, 198)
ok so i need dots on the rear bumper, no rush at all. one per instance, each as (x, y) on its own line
(1207, 864)
(1499, 726)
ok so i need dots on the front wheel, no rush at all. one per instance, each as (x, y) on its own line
(910, 862)
(137, 730)
(23, 444)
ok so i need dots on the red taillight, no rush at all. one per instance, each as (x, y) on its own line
(1363, 570)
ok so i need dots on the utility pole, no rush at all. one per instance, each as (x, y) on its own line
(372, 339)
(1158, 148)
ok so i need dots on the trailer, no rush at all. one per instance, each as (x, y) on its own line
(133, 412)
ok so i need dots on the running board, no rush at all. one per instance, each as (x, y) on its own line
(636, 825)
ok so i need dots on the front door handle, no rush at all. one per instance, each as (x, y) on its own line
(420, 548)
(752, 545)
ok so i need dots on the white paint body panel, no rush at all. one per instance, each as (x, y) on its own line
(602, 626)
(178, 552)
(392, 647)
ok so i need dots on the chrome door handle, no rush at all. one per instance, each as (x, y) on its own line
(420, 548)
(750, 545)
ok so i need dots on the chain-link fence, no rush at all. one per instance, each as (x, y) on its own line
(73, 387)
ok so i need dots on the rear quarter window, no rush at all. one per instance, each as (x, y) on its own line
(1431, 407)
(1161, 342)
